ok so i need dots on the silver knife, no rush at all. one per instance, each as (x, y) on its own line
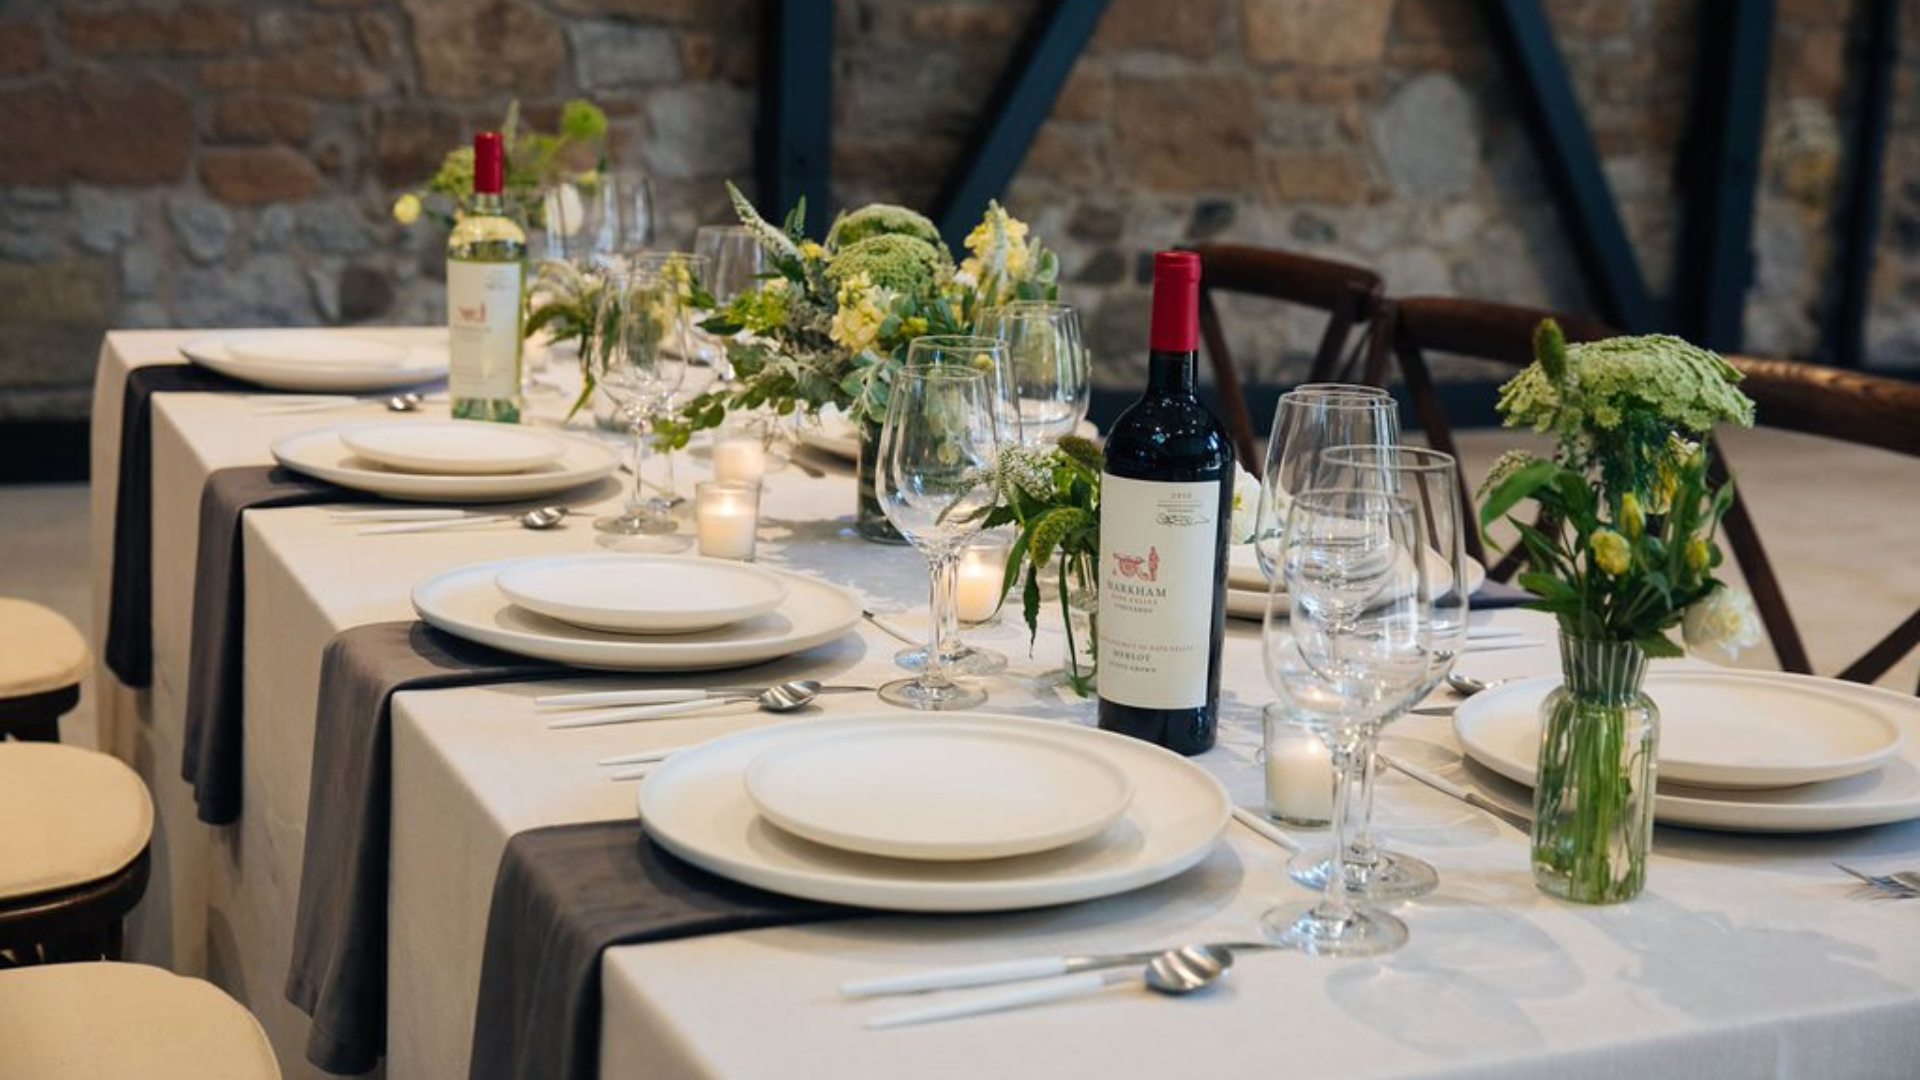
(1466, 795)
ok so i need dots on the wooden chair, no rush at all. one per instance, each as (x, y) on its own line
(101, 1020)
(1349, 295)
(1479, 330)
(42, 660)
(74, 833)
(1864, 410)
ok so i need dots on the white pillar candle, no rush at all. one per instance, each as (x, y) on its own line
(727, 516)
(1299, 771)
(983, 567)
(739, 457)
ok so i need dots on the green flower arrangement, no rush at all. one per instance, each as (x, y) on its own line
(1051, 495)
(536, 161)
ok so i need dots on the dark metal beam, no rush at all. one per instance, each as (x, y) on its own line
(794, 142)
(1844, 342)
(1723, 171)
(1524, 38)
(1020, 103)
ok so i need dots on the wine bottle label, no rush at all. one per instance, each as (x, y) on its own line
(483, 324)
(1158, 546)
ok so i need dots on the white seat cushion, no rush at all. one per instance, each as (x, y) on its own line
(67, 816)
(39, 650)
(109, 1021)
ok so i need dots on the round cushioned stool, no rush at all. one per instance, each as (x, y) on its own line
(74, 826)
(42, 660)
(113, 1021)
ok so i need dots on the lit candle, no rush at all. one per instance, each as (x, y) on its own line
(739, 456)
(727, 515)
(983, 567)
(1300, 775)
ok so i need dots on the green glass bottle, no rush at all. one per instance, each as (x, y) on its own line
(486, 270)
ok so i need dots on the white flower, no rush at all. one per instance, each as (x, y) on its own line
(1246, 505)
(1721, 624)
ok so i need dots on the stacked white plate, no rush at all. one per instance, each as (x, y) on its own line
(447, 461)
(956, 812)
(1741, 751)
(636, 612)
(317, 360)
(1247, 586)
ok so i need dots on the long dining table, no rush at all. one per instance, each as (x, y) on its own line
(1748, 955)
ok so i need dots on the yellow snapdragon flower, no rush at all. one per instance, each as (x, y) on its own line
(1633, 521)
(856, 325)
(406, 209)
(1610, 552)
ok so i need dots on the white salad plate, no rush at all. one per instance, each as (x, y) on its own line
(468, 603)
(1739, 725)
(323, 456)
(642, 594)
(313, 360)
(452, 447)
(915, 790)
(697, 807)
(1250, 602)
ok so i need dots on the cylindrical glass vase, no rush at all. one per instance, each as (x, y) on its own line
(870, 519)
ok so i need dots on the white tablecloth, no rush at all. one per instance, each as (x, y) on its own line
(1746, 957)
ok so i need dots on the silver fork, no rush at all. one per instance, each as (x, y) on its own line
(1903, 885)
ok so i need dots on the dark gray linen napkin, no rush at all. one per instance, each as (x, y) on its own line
(338, 974)
(129, 645)
(211, 760)
(1494, 595)
(563, 896)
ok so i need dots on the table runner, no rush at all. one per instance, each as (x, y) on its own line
(338, 974)
(129, 642)
(564, 895)
(211, 759)
(1494, 595)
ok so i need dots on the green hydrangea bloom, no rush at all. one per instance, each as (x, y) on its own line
(1611, 382)
(881, 219)
(894, 262)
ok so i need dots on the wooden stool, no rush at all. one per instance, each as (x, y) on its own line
(42, 660)
(111, 1021)
(74, 827)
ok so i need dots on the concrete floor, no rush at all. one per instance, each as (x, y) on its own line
(1840, 524)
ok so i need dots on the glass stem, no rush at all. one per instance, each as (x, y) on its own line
(1333, 901)
(669, 490)
(1360, 853)
(637, 428)
(945, 581)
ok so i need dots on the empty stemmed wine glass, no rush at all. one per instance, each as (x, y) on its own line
(680, 270)
(1048, 365)
(1308, 419)
(634, 355)
(935, 482)
(1427, 480)
(1355, 650)
(735, 261)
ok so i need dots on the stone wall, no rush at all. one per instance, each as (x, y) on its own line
(221, 163)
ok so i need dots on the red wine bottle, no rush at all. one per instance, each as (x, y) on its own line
(1166, 501)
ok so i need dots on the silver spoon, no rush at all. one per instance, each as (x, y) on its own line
(778, 698)
(1175, 972)
(407, 402)
(539, 519)
(1467, 685)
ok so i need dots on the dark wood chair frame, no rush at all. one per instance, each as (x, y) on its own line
(1349, 295)
(1812, 399)
(36, 717)
(80, 922)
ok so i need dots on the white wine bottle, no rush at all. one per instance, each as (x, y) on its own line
(486, 273)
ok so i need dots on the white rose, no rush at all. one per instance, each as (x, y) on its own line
(1246, 505)
(1721, 624)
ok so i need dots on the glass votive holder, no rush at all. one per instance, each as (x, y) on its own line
(739, 455)
(1299, 770)
(726, 514)
(983, 569)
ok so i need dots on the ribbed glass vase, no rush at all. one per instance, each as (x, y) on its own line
(870, 519)
(1593, 796)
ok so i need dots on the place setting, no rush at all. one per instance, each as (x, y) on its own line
(447, 461)
(318, 361)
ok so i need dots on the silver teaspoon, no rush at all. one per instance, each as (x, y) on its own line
(778, 698)
(539, 520)
(1175, 972)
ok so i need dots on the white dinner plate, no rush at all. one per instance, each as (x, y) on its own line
(453, 447)
(696, 806)
(642, 594)
(914, 790)
(468, 603)
(1500, 728)
(1251, 604)
(314, 360)
(836, 435)
(321, 454)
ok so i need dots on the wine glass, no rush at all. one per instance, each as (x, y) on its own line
(1048, 363)
(1355, 649)
(935, 482)
(591, 218)
(632, 211)
(679, 269)
(988, 356)
(735, 261)
(1428, 481)
(1308, 419)
(635, 355)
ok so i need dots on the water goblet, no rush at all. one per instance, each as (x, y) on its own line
(640, 330)
(1048, 364)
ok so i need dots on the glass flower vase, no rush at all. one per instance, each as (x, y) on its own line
(1082, 611)
(1593, 795)
(870, 519)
